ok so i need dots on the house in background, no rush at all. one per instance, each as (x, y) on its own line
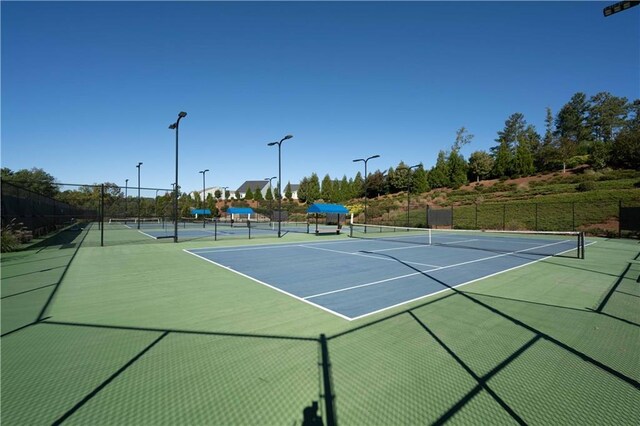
(255, 185)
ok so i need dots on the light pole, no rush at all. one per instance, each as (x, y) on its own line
(175, 127)
(365, 160)
(138, 166)
(204, 172)
(271, 188)
(224, 194)
(408, 169)
(279, 180)
(126, 185)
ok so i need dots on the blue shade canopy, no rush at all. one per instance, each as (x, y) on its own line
(327, 208)
(240, 210)
(200, 211)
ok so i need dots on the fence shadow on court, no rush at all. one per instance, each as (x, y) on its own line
(481, 380)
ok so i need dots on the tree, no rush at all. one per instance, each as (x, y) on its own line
(249, 194)
(217, 194)
(269, 195)
(398, 178)
(376, 184)
(523, 158)
(457, 169)
(480, 165)
(257, 195)
(326, 192)
(463, 137)
(607, 116)
(420, 183)
(502, 160)
(572, 131)
(625, 152)
(313, 190)
(546, 153)
(237, 195)
(303, 189)
(35, 179)
(358, 186)
(287, 191)
(439, 174)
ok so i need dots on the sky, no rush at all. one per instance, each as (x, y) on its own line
(90, 88)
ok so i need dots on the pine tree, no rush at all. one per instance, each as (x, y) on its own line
(326, 192)
(439, 174)
(249, 194)
(287, 191)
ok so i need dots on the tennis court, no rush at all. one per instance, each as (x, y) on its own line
(158, 229)
(386, 266)
(149, 334)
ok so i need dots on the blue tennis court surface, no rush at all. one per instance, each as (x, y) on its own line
(356, 277)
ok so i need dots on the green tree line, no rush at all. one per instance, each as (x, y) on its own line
(601, 131)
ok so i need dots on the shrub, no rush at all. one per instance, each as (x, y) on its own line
(586, 186)
(10, 237)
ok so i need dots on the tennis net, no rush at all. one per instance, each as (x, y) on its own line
(542, 243)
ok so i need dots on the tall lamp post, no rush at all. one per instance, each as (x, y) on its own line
(204, 172)
(280, 180)
(126, 185)
(365, 161)
(271, 188)
(175, 126)
(138, 166)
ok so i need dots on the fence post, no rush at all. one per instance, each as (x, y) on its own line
(536, 206)
(504, 215)
(452, 225)
(326, 379)
(476, 225)
(573, 216)
(102, 215)
(427, 218)
(619, 222)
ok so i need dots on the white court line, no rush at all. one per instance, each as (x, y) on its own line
(432, 270)
(270, 286)
(366, 255)
(270, 245)
(462, 284)
(150, 236)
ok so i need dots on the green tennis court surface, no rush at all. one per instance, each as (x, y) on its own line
(149, 334)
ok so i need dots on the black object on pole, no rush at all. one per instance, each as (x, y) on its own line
(175, 126)
(138, 166)
(204, 172)
(280, 181)
(365, 161)
(618, 7)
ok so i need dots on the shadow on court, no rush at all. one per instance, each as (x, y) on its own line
(538, 337)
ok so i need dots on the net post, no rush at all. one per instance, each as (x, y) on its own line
(351, 229)
(215, 230)
(249, 227)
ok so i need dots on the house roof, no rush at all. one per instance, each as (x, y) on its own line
(327, 208)
(253, 184)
